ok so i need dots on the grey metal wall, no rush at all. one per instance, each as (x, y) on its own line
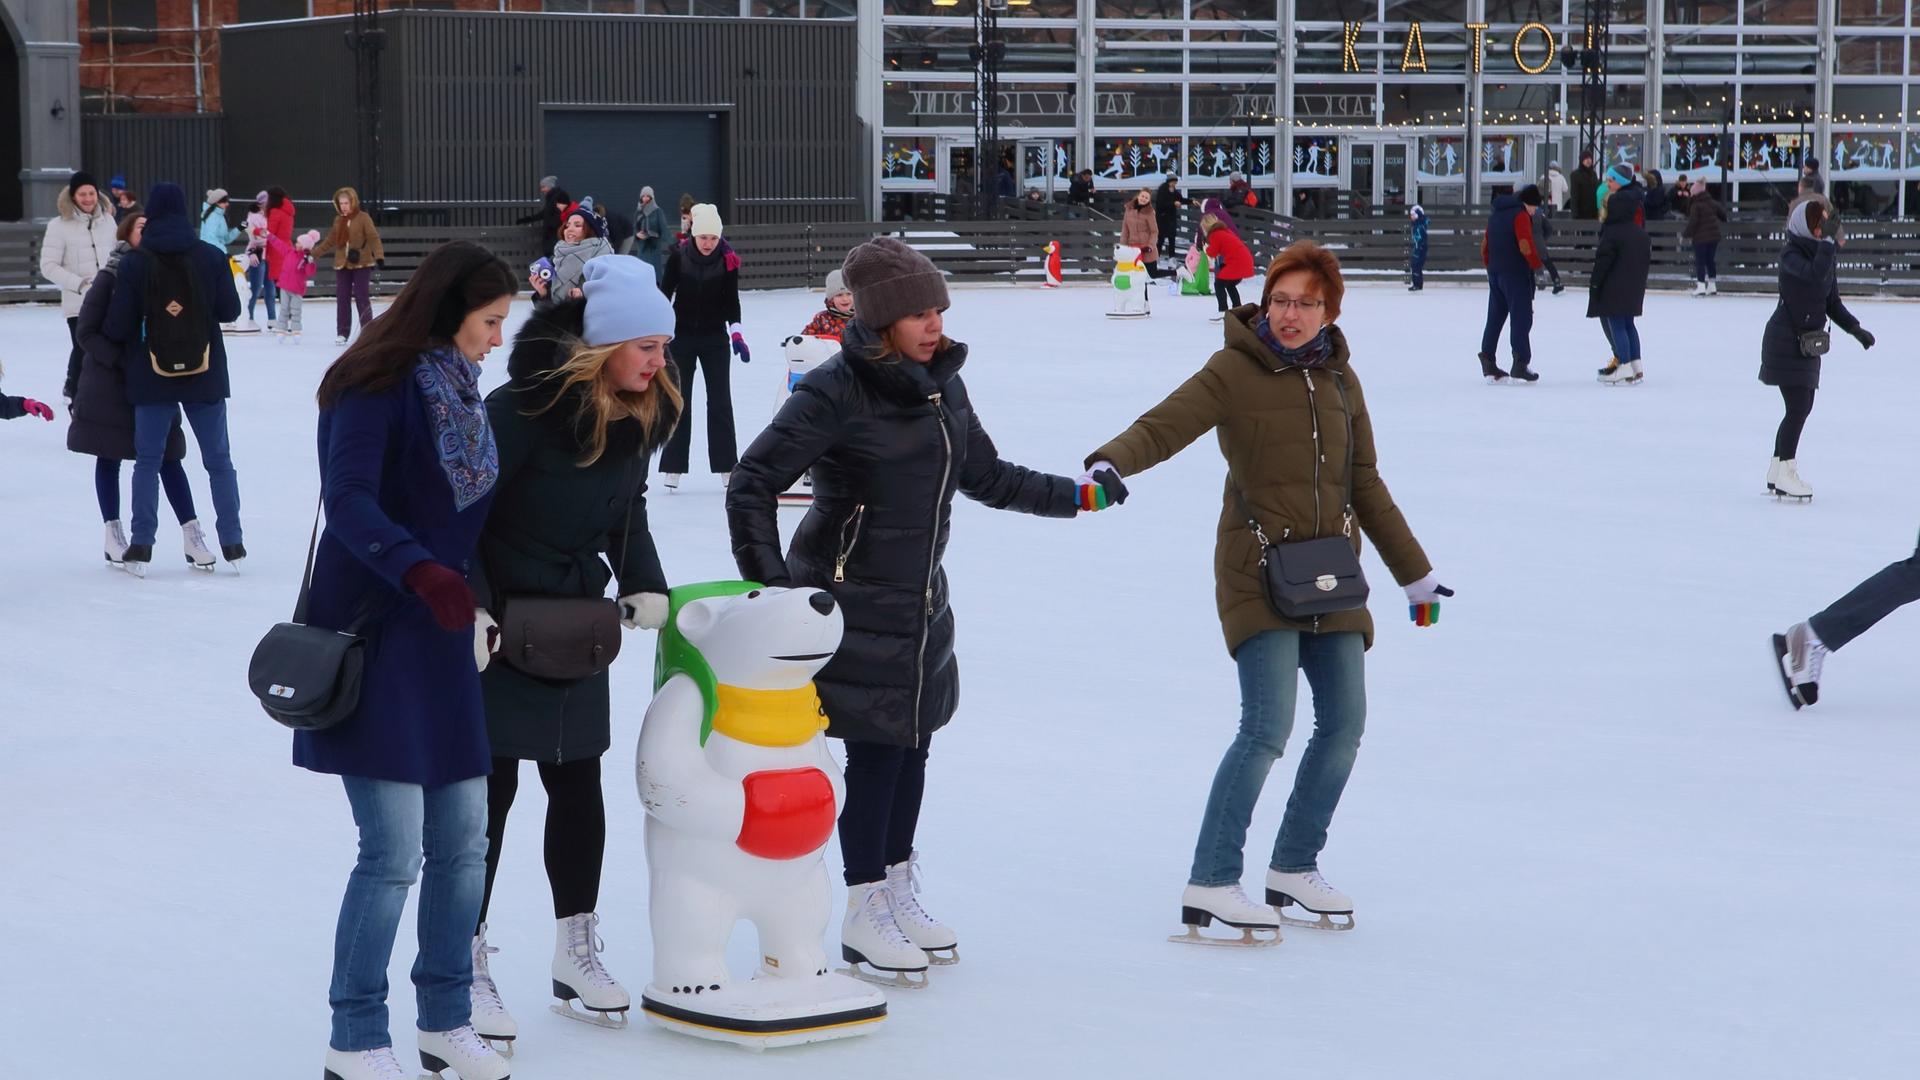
(465, 95)
(183, 148)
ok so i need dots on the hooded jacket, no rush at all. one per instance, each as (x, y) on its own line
(102, 417)
(1809, 296)
(1584, 185)
(889, 442)
(280, 224)
(168, 232)
(214, 229)
(1285, 432)
(1140, 227)
(559, 529)
(1704, 216)
(1622, 258)
(75, 248)
(1419, 233)
(352, 235)
(651, 220)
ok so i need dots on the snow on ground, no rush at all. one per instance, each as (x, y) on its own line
(1587, 836)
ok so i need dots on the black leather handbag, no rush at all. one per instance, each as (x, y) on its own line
(563, 638)
(308, 677)
(1309, 578)
(1815, 343)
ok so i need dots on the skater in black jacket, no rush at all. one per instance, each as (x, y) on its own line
(890, 434)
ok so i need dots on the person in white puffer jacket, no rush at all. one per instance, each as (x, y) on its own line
(79, 241)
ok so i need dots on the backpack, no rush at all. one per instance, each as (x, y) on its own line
(176, 327)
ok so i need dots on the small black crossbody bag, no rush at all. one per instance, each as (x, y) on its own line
(308, 677)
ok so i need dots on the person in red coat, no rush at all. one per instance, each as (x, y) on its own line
(1232, 260)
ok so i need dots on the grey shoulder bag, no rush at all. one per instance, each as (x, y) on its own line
(564, 638)
(308, 677)
(1305, 579)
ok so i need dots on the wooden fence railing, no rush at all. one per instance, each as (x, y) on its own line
(1878, 257)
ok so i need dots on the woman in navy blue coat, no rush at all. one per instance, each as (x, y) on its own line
(407, 469)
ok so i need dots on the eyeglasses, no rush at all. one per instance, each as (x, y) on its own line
(1287, 303)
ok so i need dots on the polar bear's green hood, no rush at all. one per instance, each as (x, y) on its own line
(675, 655)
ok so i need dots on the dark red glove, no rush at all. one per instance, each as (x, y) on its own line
(444, 591)
(789, 813)
(35, 408)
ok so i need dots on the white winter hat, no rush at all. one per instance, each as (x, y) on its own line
(706, 220)
(837, 283)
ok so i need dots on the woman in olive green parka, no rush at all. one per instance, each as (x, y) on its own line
(1290, 416)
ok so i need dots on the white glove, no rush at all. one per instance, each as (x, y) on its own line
(1087, 477)
(1427, 590)
(486, 638)
(643, 611)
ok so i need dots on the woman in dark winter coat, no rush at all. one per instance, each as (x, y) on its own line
(103, 418)
(1293, 424)
(650, 231)
(1167, 204)
(587, 403)
(1617, 289)
(1809, 296)
(703, 280)
(407, 470)
(1704, 216)
(889, 432)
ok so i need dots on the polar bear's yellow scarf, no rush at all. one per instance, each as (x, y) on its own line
(768, 717)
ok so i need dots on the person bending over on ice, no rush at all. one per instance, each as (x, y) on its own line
(1287, 483)
(1233, 263)
(587, 402)
(890, 434)
(407, 471)
(831, 323)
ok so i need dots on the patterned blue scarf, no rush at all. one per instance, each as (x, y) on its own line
(1313, 354)
(450, 383)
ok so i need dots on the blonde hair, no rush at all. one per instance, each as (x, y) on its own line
(603, 405)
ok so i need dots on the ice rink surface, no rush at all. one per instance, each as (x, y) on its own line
(1586, 836)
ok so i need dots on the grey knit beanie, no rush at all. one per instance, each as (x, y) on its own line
(891, 281)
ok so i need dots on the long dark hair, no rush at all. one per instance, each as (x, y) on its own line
(454, 279)
(276, 198)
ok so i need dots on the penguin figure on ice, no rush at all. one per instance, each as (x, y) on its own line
(741, 796)
(1053, 264)
(1130, 281)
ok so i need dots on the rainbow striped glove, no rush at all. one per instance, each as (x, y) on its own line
(1099, 487)
(1423, 600)
(740, 343)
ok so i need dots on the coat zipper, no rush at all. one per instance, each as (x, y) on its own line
(933, 549)
(846, 545)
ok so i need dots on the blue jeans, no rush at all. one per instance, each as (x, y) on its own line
(1622, 335)
(260, 287)
(1270, 666)
(151, 425)
(402, 826)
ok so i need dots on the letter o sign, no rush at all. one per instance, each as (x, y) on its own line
(1520, 37)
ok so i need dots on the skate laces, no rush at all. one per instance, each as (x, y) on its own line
(383, 1063)
(485, 991)
(883, 913)
(903, 883)
(585, 946)
(465, 1040)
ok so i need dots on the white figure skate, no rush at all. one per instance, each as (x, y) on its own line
(932, 936)
(1203, 905)
(579, 976)
(870, 935)
(1311, 892)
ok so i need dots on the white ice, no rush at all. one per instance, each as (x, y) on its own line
(1586, 834)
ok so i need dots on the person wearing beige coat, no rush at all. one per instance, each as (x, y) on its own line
(1292, 422)
(1139, 228)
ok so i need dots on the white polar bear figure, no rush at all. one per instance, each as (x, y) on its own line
(741, 797)
(803, 355)
(1129, 284)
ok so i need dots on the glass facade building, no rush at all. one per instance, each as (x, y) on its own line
(1325, 103)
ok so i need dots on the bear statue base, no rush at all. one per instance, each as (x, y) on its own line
(768, 1010)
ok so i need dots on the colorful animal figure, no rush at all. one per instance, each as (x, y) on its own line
(1053, 264)
(1130, 295)
(1197, 277)
(741, 797)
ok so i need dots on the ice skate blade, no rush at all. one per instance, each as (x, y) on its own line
(946, 957)
(1798, 696)
(1782, 497)
(611, 1019)
(1250, 938)
(502, 1044)
(1281, 902)
(897, 980)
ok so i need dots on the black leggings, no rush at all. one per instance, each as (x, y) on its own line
(884, 787)
(1786, 441)
(576, 830)
(1224, 290)
(712, 353)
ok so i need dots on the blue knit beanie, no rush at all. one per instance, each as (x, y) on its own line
(1621, 175)
(166, 200)
(623, 302)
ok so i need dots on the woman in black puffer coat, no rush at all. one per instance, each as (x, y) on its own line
(890, 434)
(102, 426)
(588, 399)
(1617, 289)
(703, 280)
(1809, 296)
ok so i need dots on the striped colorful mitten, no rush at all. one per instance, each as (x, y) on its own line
(1099, 487)
(1423, 600)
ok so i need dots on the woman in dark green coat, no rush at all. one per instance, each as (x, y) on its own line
(589, 399)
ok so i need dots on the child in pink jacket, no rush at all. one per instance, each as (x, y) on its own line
(296, 273)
